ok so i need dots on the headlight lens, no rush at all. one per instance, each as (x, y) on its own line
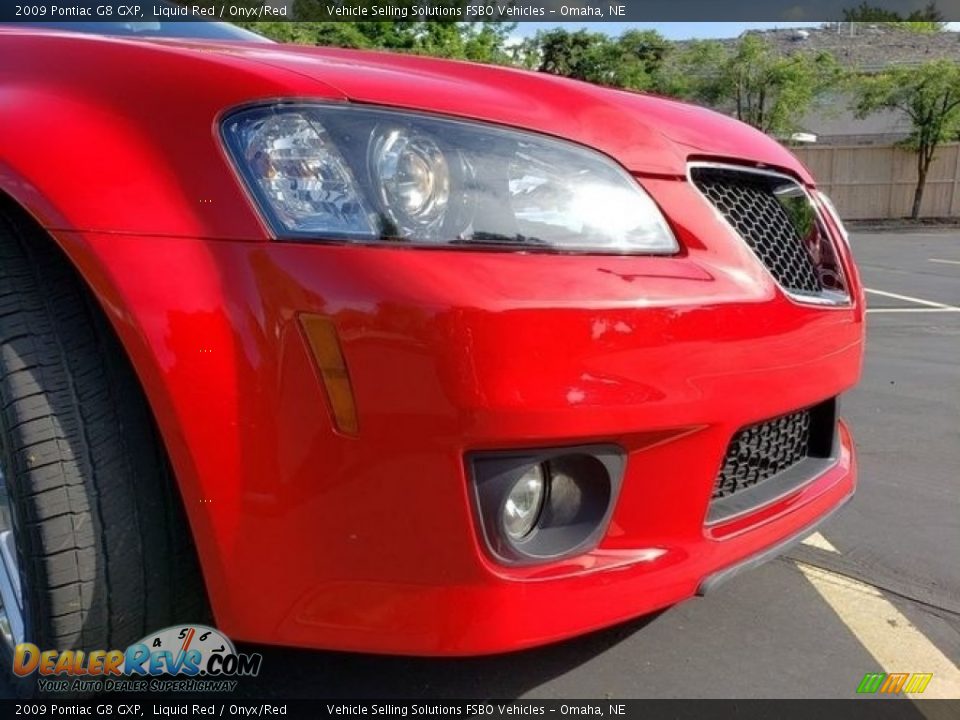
(411, 173)
(298, 170)
(331, 172)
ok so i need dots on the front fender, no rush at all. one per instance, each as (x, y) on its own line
(116, 136)
(196, 355)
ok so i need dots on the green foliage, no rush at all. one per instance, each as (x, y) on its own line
(766, 89)
(629, 61)
(337, 34)
(929, 95)
(479, 41)
(574, 55)
(929, 19)
(487, 42)
(694, 72)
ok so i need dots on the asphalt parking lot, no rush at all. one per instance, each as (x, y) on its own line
(878, 589)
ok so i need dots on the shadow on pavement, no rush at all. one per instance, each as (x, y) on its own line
(290, 673)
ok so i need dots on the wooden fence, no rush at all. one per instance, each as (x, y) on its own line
(869, 182)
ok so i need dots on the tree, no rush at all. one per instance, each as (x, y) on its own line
(477, 40)
(755, 83)
(338, 34)
(570, 54)
(526, 53)
(488, 41)
(694, 72)
(929, 95)
(439, 39)
(929, 19)
(628, 61)
(647, 46)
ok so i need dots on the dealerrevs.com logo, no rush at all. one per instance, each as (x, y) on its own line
(188, 658)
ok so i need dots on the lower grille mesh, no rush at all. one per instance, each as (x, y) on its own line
(760, 451)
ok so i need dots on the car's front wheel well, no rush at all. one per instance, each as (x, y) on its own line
(105, 550)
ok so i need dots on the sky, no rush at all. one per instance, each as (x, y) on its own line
(672, 30)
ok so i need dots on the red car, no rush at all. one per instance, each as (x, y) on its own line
(385, 353)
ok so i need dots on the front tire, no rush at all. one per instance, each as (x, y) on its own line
(92, 529)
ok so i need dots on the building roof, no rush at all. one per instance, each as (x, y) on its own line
(866, 46)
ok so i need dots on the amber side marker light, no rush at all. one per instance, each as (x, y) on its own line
(325, 345)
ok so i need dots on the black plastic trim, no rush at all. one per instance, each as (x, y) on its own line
(492, 475)
(715, 580)
(823, 451)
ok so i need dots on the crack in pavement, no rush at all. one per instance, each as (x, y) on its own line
(939, 603)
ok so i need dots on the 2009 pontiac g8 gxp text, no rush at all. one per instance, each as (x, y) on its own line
(386, 353)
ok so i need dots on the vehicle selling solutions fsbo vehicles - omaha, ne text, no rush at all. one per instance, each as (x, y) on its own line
(385, 353)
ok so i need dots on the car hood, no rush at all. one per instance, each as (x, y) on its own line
(647, 134)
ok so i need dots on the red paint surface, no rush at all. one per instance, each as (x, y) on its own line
(309, 537)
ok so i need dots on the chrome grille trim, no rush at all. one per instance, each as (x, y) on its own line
(825, 298)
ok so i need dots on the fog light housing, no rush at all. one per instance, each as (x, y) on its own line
(524, 503)
(542, 505)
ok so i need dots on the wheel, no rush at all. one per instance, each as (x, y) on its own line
(94, 548)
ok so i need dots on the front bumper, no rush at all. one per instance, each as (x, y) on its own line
(308, 537)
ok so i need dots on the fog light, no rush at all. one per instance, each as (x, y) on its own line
(543, 504)
(524, 503)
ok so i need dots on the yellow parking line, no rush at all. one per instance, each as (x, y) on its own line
(894, 642)
(946, 262)
(820, 542)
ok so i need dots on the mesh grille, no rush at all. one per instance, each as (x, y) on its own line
(760, 451)
(748, 203)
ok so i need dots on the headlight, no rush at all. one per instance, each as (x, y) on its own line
(411, 173)
(329, 172)
(828, 205)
